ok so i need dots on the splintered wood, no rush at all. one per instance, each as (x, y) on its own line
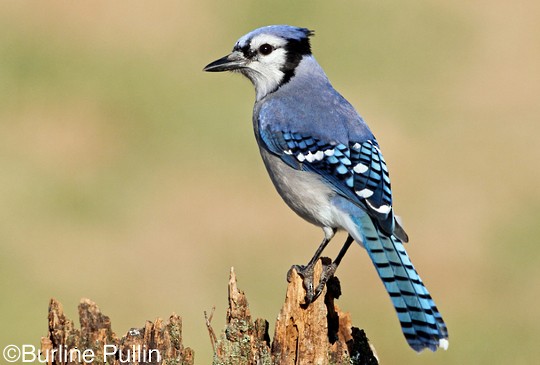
(318, 334)
(243, 342)
(303, 334)
(96, 343)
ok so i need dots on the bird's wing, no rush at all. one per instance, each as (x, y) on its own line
(356, 170)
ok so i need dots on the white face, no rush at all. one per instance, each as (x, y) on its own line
(264, 68)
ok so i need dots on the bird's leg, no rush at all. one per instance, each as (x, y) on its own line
(306, 272)
(329, 270)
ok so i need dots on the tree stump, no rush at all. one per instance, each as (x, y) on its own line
(318, 334)
(96, 343)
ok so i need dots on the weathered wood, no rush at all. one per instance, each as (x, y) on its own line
(243, 342)
(96, 343)
(318, 334)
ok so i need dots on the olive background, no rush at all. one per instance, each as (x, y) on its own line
(131, 177)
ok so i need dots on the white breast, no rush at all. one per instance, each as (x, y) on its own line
(304, 192)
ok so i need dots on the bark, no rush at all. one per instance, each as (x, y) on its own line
(96, 343)
(319, 334)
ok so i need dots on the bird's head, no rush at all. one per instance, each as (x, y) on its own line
(268, 56)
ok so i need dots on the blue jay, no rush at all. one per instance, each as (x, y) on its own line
(328, 167)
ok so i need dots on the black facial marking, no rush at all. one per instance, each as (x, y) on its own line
(246, 50)
(296, 49)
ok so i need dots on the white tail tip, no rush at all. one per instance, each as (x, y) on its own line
(443, 343)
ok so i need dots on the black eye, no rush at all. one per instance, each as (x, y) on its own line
(265, 49)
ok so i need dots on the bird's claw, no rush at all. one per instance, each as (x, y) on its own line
(328, 272)
(306, 272)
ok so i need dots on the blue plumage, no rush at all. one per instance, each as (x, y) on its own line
(420, 320)
(328, 167)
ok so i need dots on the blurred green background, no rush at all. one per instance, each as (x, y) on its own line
(131, 177)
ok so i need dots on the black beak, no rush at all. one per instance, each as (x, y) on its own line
(233, 61)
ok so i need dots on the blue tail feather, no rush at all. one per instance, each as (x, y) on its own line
(420, 320)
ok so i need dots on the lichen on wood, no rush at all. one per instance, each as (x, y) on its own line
(315, 334)
(96, 343)
(244, 341)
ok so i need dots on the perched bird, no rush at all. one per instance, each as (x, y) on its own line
(328, 167)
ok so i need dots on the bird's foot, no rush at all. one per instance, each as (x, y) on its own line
(307, 274)
(328, 272)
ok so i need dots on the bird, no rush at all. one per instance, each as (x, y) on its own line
(328, 167)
